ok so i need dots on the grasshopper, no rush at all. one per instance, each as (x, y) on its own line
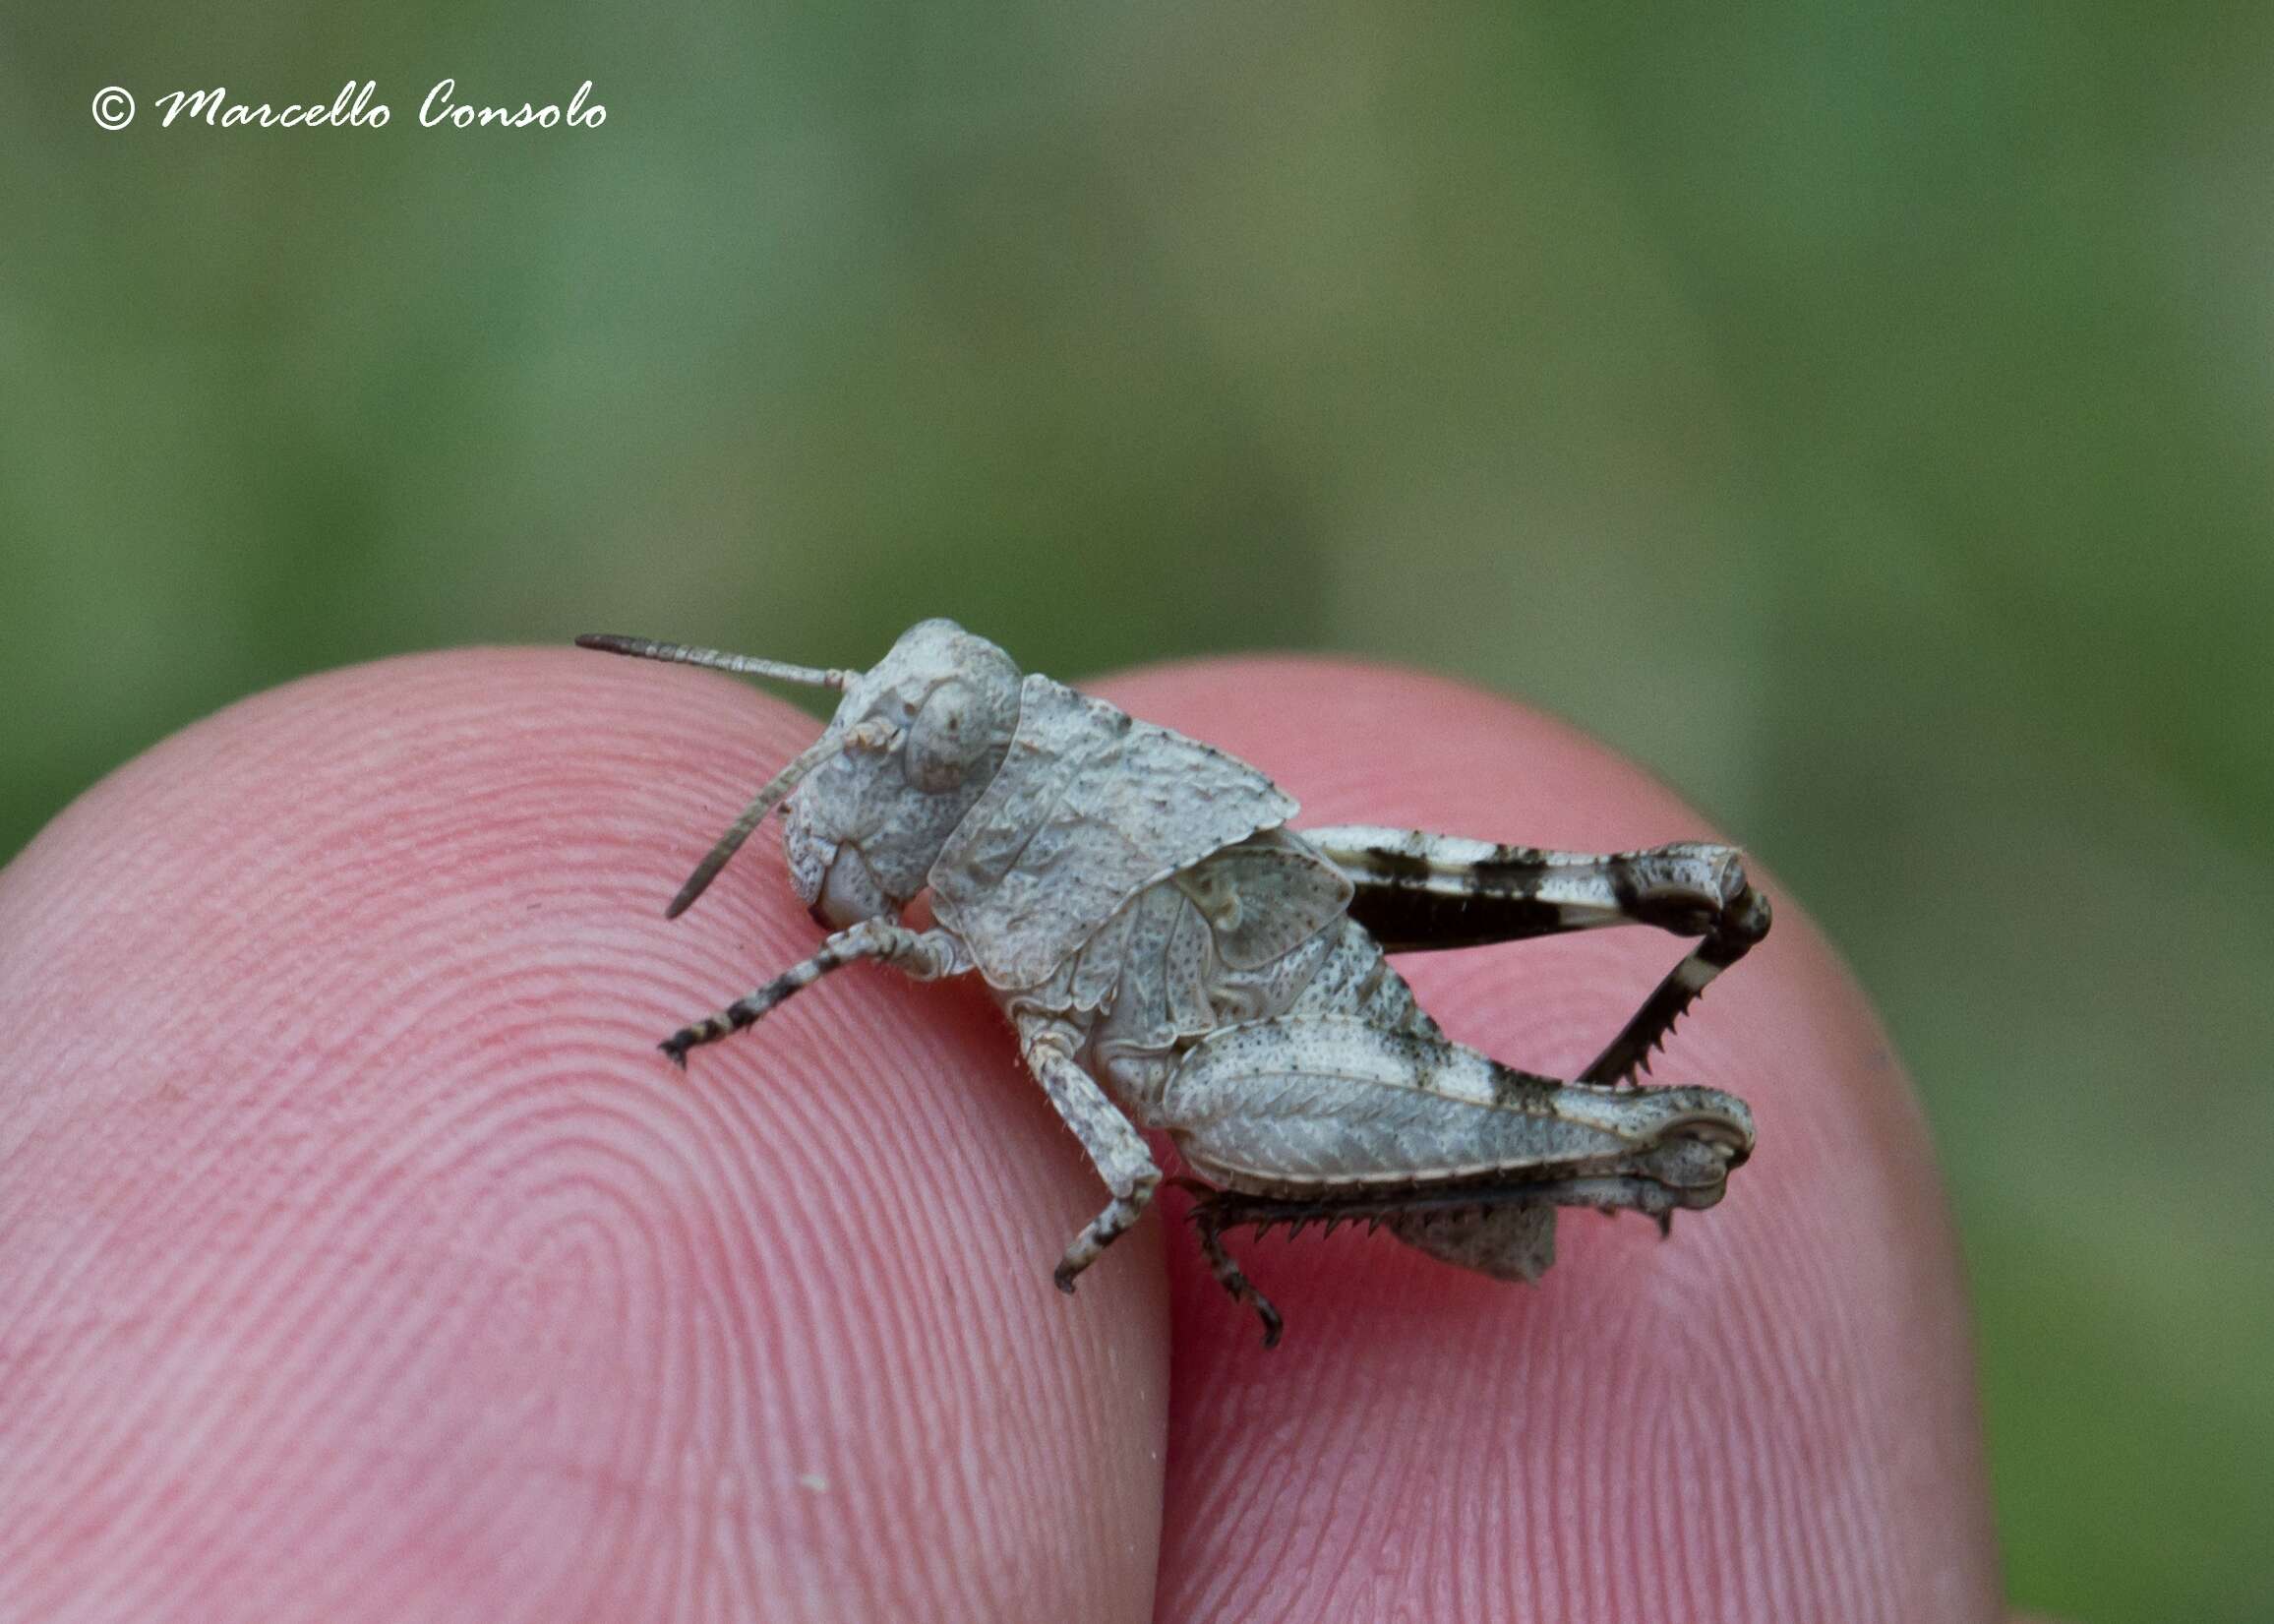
(1168, 950)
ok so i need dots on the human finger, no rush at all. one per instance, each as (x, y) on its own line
(363, 1258)
(1768, 1415)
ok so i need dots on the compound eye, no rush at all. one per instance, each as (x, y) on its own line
(949, 735)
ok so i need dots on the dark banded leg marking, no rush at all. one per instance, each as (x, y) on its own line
(1416, 892)
(923, 954)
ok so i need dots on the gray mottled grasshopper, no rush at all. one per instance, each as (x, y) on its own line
(1168, 950)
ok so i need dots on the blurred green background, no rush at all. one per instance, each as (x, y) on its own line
(1861, 414)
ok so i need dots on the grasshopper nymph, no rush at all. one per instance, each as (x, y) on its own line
(1168, 950)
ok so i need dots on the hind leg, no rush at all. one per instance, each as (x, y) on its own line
(1416, 892)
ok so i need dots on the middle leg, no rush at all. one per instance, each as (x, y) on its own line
(1115, 1148)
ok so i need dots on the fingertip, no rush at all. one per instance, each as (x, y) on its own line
(1770, 1415)
(364, 1260)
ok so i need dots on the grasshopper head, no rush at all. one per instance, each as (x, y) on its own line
(918, 739)
(873, 800)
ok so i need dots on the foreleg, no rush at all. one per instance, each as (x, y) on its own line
(926, 955)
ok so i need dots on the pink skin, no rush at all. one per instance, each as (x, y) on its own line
(360, 1258)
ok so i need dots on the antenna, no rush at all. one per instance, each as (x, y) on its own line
(745, 665)
(781, 784)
